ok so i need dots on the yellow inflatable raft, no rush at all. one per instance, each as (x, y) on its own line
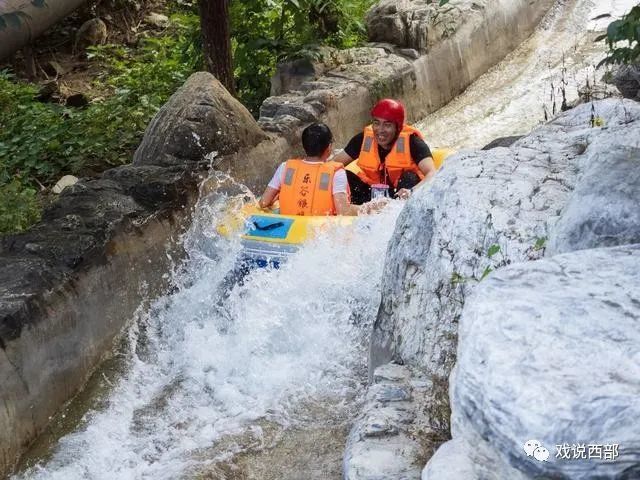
(268, 237)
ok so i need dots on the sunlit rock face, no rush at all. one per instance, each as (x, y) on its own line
(423, 24)
(451, 461)
(549, 352)
(489, 209)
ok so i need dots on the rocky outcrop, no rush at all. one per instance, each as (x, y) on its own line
(386, 441)
(445, 51)
(418, 24)
(549, 351)
(484, 211)
(69, 285)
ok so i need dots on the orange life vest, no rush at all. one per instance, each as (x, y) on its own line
(307, 188)
(397, 162)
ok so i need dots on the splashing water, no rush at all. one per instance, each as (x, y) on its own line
(208, 363)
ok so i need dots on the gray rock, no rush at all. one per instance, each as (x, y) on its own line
(201, 117)
(383, 442)
(627, 80)
(157, 20)
(390, 393)
(290, 75)
(91, 32)
(502, 142)
(450, 462)
(604, 208)
(483, 211)
(417, 24)
(549, 351)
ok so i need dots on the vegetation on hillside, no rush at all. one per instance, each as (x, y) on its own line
(41, 140)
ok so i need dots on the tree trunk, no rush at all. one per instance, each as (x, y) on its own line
(22, 21)
(216, 41)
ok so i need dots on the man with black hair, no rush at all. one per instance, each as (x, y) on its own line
(388, 152)
(311, 185)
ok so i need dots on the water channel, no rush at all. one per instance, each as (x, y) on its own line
(262, 380)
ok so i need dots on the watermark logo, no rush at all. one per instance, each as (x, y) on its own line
(580, 451)
(535, 449)
(587, 451)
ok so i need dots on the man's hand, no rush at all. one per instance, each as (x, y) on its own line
(403, 193)
(373, 206)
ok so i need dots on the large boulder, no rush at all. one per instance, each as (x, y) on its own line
(484, 211)
(201, 120)
(548, 351)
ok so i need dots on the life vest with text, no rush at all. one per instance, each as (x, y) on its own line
(307, 188)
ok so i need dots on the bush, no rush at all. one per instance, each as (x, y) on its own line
(627, 31)
(19, 206)
(266, 32)
(41, 141)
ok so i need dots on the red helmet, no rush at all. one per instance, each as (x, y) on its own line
(390, 110)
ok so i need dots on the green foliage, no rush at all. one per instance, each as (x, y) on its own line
(266, 32)
(41, 141)
(626, 31)
(19, 206)
(541, 243)
(493, 249)
(457, 278)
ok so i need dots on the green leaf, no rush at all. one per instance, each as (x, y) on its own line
(540, 243)
(486, 272)
(456, 278)
(493, 249)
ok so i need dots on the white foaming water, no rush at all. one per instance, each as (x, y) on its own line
(208, 363)
(512, 97)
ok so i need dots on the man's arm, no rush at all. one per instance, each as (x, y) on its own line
(342, 157)
(343, 207)
(428, 168)
(268, 197)
(350, 151)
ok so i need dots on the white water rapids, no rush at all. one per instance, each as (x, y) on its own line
(215, 364)
(211, 374)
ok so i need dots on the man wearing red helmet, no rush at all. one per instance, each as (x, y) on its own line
(389, 152)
